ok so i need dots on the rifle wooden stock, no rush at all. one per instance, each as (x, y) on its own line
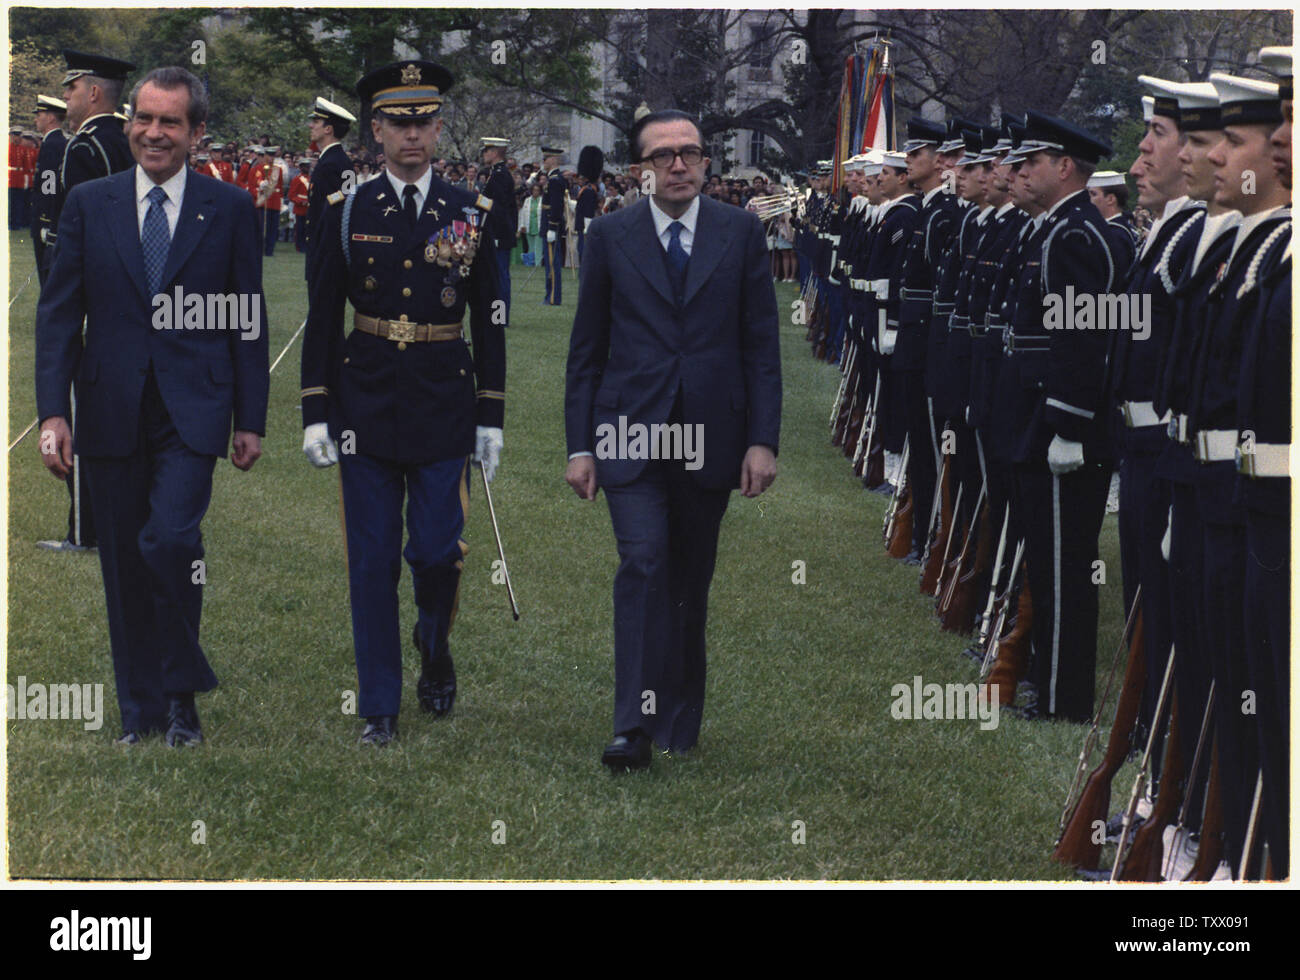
(900, 541)
(953, 571)
(941, 519)
(960, 614)
(1140, 781)
(856, 414)
(1179, 837)
(1145, 858)
(986, 617)
(1090, 741)
(1209, 852)
(1002, 606)
(864, 426)
(840, 407)
(1078, 846)
(898, 500)
(1011, 664)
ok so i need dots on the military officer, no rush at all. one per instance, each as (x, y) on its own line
(555, 213)
(500, 190)
(92, 86)
(401, 402)
(1064, 460)
(590, 163)
(1109, 193)
(50, 113)
(328, 124)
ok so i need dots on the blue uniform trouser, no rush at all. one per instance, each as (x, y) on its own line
(835, 337)
(149, 506)
(553, 257)
(437, 500)
(270, 229)
(503, 282)
(805, 268)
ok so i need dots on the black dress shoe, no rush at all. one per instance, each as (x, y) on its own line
(627, 751)
(183, 722)
(380, 730)
(436, 689)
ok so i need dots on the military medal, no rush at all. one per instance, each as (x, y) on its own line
(449, 296)
(430, 252)
(370, 284)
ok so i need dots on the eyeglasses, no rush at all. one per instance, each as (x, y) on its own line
(663, 159)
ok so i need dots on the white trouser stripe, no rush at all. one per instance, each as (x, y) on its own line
(1056, 591)
(934, 438)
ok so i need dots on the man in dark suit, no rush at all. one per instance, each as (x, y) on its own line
(676, 325)
(156, 398)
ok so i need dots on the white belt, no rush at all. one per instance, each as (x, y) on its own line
(1267, 460)
(880, 287)
(1215, 445)
(859, 284)
(1178, 429)
(1138, 415)
(835, 239)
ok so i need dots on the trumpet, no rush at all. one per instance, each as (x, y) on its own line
(771, 206)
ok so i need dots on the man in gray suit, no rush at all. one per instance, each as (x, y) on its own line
(672, 399)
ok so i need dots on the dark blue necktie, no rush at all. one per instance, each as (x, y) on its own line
(677, 259)
(155, 239)
(408, 204)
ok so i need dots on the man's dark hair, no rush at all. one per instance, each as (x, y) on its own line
(337, 126)
(112, 89)
(663, 115)
(172, 78)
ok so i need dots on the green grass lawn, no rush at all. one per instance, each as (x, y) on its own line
(797, 723)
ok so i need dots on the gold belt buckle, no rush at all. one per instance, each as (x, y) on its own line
(401, 330)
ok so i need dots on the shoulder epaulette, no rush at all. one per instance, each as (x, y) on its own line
(484, 203)
(336, 198)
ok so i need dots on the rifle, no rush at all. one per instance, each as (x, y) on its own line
(986, 617)
(854, 412)
(1012, 662)
(1078, 845)
(1090, 742)
(952, 570)
(839, 410)
(1146, 853)
(895, 500)
(1209, 853)
(900, 542)
(1176, 838)
(1251, 827)
(959, 616)
(949, 534)
(994, 634)
(940, 520)
(866, 435)
(1143, 773)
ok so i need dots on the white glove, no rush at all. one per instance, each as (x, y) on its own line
(318, 445)
(1064, 456)
(887, 341)
(550, 236)
(487, 450)
(1169, 534)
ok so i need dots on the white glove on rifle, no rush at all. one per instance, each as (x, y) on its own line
(550, 236)
(1064, 456)
(318, 445)
(487, 450)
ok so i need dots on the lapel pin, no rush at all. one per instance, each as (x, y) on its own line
(389, 210)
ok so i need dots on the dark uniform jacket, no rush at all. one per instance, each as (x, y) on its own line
(504, 219)
(986, 345)
(934, 226)
(326, 180)
(98, 148)
(416, 402)
(48, 161)
(554, 204)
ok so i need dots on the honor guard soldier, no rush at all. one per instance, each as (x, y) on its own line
(403, 402)
(224, 166)
(590, 163)
(504, 216)
(1064, 461)
(50, 113)
(92, 85)
(328, 124)
(1109, 193)
(1264, 491)
(299, 195)
(555, 213)
(1132, 372)
(1249, 112)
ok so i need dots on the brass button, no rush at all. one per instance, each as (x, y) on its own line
(371, 260)
(462, 372)
(401, 345)
(406, 290)
(402, 318)
(407, 264)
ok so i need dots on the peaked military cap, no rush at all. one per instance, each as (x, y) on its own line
(79, 63)
(406, 89)
(1053, 134)
(923, 132)
(48, 103)
(323, 108)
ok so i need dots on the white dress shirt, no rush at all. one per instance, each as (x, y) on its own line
(421, 189)
(174, 186)
(662, 221)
